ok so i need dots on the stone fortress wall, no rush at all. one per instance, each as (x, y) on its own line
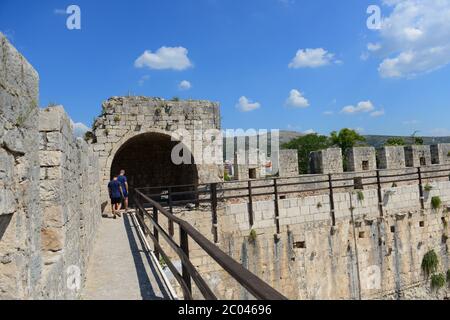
(70, 201)
(49, 207)
(362, 254)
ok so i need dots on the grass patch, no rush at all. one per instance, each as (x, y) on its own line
(360, 196)
(430, 263)
(162, 262)
(436, 202)
(252, 236)
(438, 281)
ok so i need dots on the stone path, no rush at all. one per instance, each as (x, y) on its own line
(119, 268)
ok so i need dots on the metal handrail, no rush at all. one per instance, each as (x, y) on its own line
(257, 287)
(214, 192)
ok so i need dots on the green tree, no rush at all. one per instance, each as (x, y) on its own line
(305, 145)
(415, 139)
(418, 141)
(395, 142)
(346, 139)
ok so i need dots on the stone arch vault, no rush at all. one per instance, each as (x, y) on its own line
(137, 134)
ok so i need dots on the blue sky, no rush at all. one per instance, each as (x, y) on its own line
(286, 64)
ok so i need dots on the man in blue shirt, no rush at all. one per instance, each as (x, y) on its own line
(124, 183)
(116, 195)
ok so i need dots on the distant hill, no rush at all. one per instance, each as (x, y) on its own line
(372, 140)
(379, 141)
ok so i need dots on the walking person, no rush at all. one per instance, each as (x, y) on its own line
(116, 195)
(124, 183)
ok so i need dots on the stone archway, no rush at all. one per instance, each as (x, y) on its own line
(128, 122)
(146, 158)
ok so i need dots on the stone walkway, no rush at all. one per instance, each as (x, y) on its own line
(119, 268)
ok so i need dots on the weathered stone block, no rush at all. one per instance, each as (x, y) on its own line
(326, 161)
(7, 203)
(417, 156)
(391, 157)
(361, 159)
(50, 119)
(50, 190)
(50, 158)
(285, 163)
(52, 239)
(440, 153)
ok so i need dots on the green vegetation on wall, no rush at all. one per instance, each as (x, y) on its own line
(252, 236)
(436, 202)
(430, 263)
(360, 195)
(305, 145)
(438, 281)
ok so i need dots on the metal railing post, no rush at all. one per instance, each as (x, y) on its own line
(213, 188)
(197, 199)
(184, 245)
(155, 230)
(169, 199)
(421, 194)
(277, 208)
(250, 204)
(330, 188)
(380, 195)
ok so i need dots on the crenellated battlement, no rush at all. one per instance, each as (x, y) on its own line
(360, 159)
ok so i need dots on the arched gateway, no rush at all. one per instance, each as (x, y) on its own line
(138, 134)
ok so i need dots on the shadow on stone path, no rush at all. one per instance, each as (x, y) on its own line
(119, 268)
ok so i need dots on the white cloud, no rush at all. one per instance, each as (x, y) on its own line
(245, 105)
(361, 107)
(414, 38)
(364, 56)
(377, 113)
(79, 129)
(184, 85)
(312, 58)
(310, 131)
(175, 58)
(373, 46)
(297, 100)
(143, 79)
